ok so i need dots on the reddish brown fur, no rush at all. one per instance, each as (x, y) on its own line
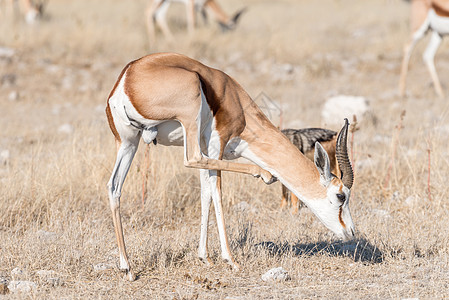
(441, 8)
(418, 13)
(168, 87)
(173, 82)
(178, 78)
(420, 8)
(111, 124)
(108, 109)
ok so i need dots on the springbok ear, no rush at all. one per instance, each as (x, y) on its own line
(322, 163)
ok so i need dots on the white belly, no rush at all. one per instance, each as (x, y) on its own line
(438, 24)
(170, 133)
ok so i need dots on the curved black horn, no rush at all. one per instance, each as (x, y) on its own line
(341, 151)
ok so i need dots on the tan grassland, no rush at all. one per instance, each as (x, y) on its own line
(54, 210)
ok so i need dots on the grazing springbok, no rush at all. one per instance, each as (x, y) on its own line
(178, 101)
(304, 140)
(157, 13)
(426, 15)
(32, 10)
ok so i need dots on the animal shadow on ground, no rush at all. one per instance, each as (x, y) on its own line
(359, 250)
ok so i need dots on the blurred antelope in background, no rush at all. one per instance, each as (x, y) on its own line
(426, 15)
(177, 101)
(304, 140)
(30, 9)
(157, 13)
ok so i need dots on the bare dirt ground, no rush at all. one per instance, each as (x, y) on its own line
(58, 152)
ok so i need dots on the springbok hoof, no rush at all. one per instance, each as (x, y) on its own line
(129, 275)
(206, 261)
(267, 177)
(235, 266)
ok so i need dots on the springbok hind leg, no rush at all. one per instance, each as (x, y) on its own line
(125, 155)
(419, 34)
(428, 56)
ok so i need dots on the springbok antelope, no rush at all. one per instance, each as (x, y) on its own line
(304, 140)
(178, 101)
(157, 12)
(426, 15)
(32, 10)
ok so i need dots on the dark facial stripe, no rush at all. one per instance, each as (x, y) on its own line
(340, 219)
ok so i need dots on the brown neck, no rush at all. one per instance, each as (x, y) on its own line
(279, 155)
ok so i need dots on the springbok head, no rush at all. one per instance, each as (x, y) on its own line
(232, 22)
(333, 210)
(35, 10)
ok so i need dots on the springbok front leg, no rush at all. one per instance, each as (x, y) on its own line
(211, 189)
(125, 155)
(193, 157)
(215, 182)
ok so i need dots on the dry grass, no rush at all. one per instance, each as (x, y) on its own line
(55, 181)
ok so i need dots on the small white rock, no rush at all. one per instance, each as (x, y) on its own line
(65, 128)
(276, 274)
(381, 213)
(6, 52)
(103, 267)
(13, 96)
(337, 108)
(47, 236)
(411, 200)
(21, 286)
(4, 157)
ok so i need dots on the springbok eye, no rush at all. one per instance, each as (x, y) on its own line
(341, 197)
